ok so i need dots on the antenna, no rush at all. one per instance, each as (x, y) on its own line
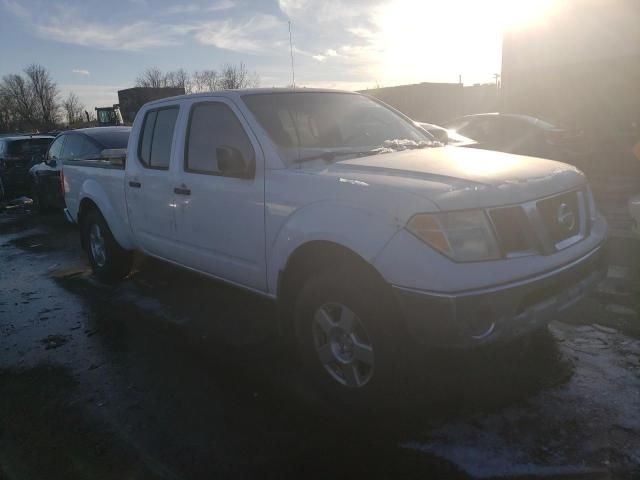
(293, 72)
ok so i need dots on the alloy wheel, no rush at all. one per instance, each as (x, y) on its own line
(97, 245)
(343, 345)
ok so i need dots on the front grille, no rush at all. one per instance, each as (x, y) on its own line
(561, 216)
(511, 226)
(542, 226)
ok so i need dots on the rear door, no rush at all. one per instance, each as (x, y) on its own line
(149, 183)
(220, 199)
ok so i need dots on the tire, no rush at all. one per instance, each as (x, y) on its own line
(356, 366)
(39, 205)
(109, 261)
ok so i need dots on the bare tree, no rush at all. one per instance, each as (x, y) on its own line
(45, 93)
(205, 81)
(237, 76)
(73, 109)
(152, 77)
(180, 79)
(29, 101)
(18, 102)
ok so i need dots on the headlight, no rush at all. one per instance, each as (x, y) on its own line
(464, 236)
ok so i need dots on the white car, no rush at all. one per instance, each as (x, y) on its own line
(370, 237)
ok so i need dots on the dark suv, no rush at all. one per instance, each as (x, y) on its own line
(16, 156)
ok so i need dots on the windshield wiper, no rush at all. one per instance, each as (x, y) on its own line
(331, 155)
(396, 145)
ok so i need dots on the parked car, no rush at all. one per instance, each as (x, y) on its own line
(16, 156)
(521, 134)
(446, 136)
(371, 239)
(74, 145)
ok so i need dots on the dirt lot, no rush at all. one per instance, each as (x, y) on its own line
(170, 375)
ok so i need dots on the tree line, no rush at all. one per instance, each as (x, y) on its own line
(228, 77)
(30, 101)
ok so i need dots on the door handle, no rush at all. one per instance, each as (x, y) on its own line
(182, 191)
(135, 184)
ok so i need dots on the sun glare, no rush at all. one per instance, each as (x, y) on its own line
(420, 39)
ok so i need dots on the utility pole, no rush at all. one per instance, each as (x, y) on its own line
(497, 77)
(293, 73)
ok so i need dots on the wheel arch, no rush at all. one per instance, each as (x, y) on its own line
(314, 257)
(93, 199)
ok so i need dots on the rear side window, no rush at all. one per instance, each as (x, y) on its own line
(154, 149)
(55, 151)
(213, 125)
(79, 146)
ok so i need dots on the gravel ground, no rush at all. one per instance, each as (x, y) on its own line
(170, 375)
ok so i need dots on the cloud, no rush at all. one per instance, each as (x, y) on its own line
(66, 25)
(250, 36)
(81, 71)
(134, 36)
(199, 8)
(15, 8)
(330, 52)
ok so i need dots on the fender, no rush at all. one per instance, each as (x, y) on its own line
(117, 221)
(362, 231)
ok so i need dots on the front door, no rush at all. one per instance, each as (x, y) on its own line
(220, 196)
(149, 184)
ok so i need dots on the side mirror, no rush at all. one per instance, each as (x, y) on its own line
(114, 156)
(440, 135)
(37, 158)
(231, 162)
(53, 163)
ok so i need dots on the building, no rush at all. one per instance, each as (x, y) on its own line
(131, 99)
(579, 66)
(438, 102)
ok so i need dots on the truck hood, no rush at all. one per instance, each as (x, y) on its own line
(457, 178)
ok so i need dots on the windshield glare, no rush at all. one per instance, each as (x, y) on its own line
(316, 121)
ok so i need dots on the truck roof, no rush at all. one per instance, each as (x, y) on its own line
(249, 91)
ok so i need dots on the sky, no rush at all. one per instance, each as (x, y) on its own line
(95, 47)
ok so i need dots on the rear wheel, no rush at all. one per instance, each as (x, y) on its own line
(348, 337)
(39, 204)
(109, 261)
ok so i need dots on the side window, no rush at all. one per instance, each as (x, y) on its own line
(154, 149)
(55, 150)
(77, 146)
(483, 129)
(217, 143)
(72, 147)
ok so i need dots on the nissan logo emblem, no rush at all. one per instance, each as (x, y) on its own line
(566, 217)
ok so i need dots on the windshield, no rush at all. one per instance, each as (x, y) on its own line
(305, 124)
(112, 139)
(29, 146)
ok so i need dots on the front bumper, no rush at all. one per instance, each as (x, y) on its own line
(501, 312)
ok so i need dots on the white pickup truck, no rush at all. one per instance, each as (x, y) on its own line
(370, 236)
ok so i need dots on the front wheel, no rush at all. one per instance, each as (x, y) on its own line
(109, 261)
(348, 337)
